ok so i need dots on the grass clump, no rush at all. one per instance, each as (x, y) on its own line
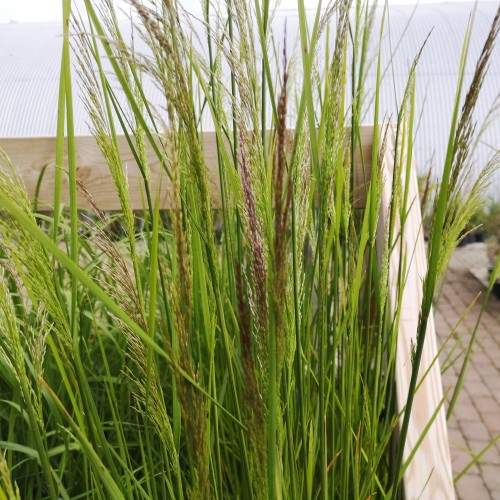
(170, 363)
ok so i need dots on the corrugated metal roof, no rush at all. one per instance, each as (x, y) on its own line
(437, 75)
(30, 57)
(29, 62)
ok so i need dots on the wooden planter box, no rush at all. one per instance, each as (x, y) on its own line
(429, 474)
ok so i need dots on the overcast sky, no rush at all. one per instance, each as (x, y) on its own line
(50, 10)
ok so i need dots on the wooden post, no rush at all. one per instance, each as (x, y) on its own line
(429, 474)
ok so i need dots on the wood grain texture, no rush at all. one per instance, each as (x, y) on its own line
(30, 155)
(429, 475)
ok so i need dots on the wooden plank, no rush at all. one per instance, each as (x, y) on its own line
(30, 155)
(429, 475)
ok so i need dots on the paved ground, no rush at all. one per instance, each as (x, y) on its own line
(476, 419)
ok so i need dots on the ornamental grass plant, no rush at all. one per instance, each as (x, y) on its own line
(255, 361)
